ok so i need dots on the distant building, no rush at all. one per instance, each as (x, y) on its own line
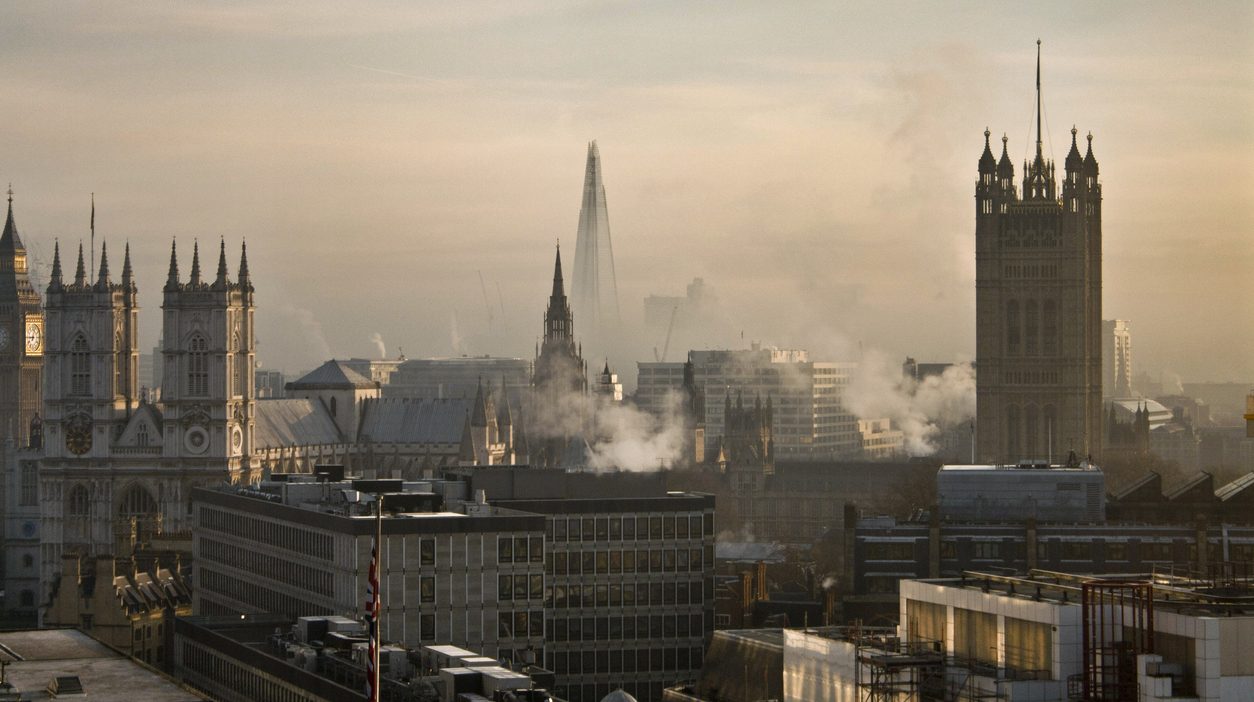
(557, 414)
(270, 384)
(1038, 304)
(880, 440)
(1116, 358)
(1049, 493)
(20, 531)
(810, 421)
(22, 339)
(438, 378)
(595, 285)
(377, 370)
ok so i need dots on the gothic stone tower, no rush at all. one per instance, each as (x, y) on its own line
(208, 402)
(21, 340)
(117, 469)
(1038, 306)
(559, 381)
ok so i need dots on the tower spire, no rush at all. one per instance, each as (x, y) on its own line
(54, 283)
(1039, 149)
(172, 280)
(220, 282)
(195, 279)
(102, 283)
(80, 275)
(127, 275)
(244, 280)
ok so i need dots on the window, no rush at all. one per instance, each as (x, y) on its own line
(1049, 331)
(198, 366)
(986, 206)
(426, 552)
(141, 435)
(30, 484)
(80, 367)
(426, 587)
(120, 362)
(1012, 327)
(505, 549)
(1030, 327)
(987, 550)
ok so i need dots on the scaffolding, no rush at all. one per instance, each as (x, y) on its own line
(1117, 625)
(888, 669)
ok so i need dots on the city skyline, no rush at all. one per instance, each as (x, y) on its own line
(797, 159)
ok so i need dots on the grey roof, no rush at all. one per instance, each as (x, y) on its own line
(332, 374)
(294, 422)
(407, 420)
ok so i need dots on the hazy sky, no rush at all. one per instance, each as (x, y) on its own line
(813, 162)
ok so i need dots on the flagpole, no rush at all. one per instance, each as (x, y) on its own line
(92, 276)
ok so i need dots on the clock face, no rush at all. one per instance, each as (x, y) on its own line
(78, 436)
(34, 337)
(237, 439)
(196, 440)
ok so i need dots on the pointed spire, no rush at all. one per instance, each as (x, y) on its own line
(128, 279)
(54, 282)
(1090, 162)
(195, 279)
(987, 162)
(244, 280)
(172, 280)
(480, 416)
(1039, 152)
(102, 282)
(220, 282)
(559, 287)
(80, 275)
(1073, 156)
(9, 240)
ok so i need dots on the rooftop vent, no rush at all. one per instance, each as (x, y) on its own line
(65, 685)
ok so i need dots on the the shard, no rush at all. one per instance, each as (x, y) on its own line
(595, 287)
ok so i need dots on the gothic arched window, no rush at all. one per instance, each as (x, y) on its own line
(79, 502)
(1012, 433)
(120, 362)
(239, 368)
(1012, 327)
(198, 366)
(1049, 327)
(1030, 328)
(1031, 425)
(80, 366)
(1051, 430)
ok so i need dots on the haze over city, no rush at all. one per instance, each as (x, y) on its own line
(812, 163)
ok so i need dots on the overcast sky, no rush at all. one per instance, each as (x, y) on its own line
(813, 162)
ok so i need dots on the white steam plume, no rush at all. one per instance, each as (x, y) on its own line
(377, 339)
(920, 409)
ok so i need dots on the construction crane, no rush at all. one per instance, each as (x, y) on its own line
(666, 346)
(487, 305)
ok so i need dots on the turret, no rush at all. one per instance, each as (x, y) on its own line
(80, 274)
(54, 281)
(194, 281)
(102, 281)
(220, 282)
(172, 279)
(128, 277)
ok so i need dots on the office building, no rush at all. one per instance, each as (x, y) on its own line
(595, 287)
(1116, 358)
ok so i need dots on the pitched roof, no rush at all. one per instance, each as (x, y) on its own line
(408, 420)
(294, 422)
(334, 375)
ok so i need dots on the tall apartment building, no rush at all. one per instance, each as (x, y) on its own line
(1116, 358)
(301, 547)
(1038, 305)
(810, 422)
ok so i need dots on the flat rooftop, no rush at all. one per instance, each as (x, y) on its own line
(36, 657)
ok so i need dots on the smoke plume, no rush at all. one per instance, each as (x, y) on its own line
(377, 339)
(920, 409)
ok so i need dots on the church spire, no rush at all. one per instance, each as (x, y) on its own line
(54, 283)
(172, 280)
(9, 240)
(102, 283)
(557, 319)
(1039, 150)
(244, 280)
(80, 275)
(220, 282)
(559, 286)
(195, 279)
(128, 280)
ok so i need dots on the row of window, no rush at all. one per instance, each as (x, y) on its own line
(1037, 327)
(589, 629)
(612, 562)
(1030, 271)
(520, 588)
(629, 594)
(1051, 549)
(640, 660)
(264, 531)
(519, 549)
(629, 528)
(234, 677)
(520, 624)
(317, 580)
(257, 597)
(1032, 377)
(1029, 429)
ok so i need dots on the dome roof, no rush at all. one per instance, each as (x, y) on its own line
(618, 696)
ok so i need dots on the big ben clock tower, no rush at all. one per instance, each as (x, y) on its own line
(21, 339)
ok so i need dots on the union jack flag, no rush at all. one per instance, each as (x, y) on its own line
(372, 615)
